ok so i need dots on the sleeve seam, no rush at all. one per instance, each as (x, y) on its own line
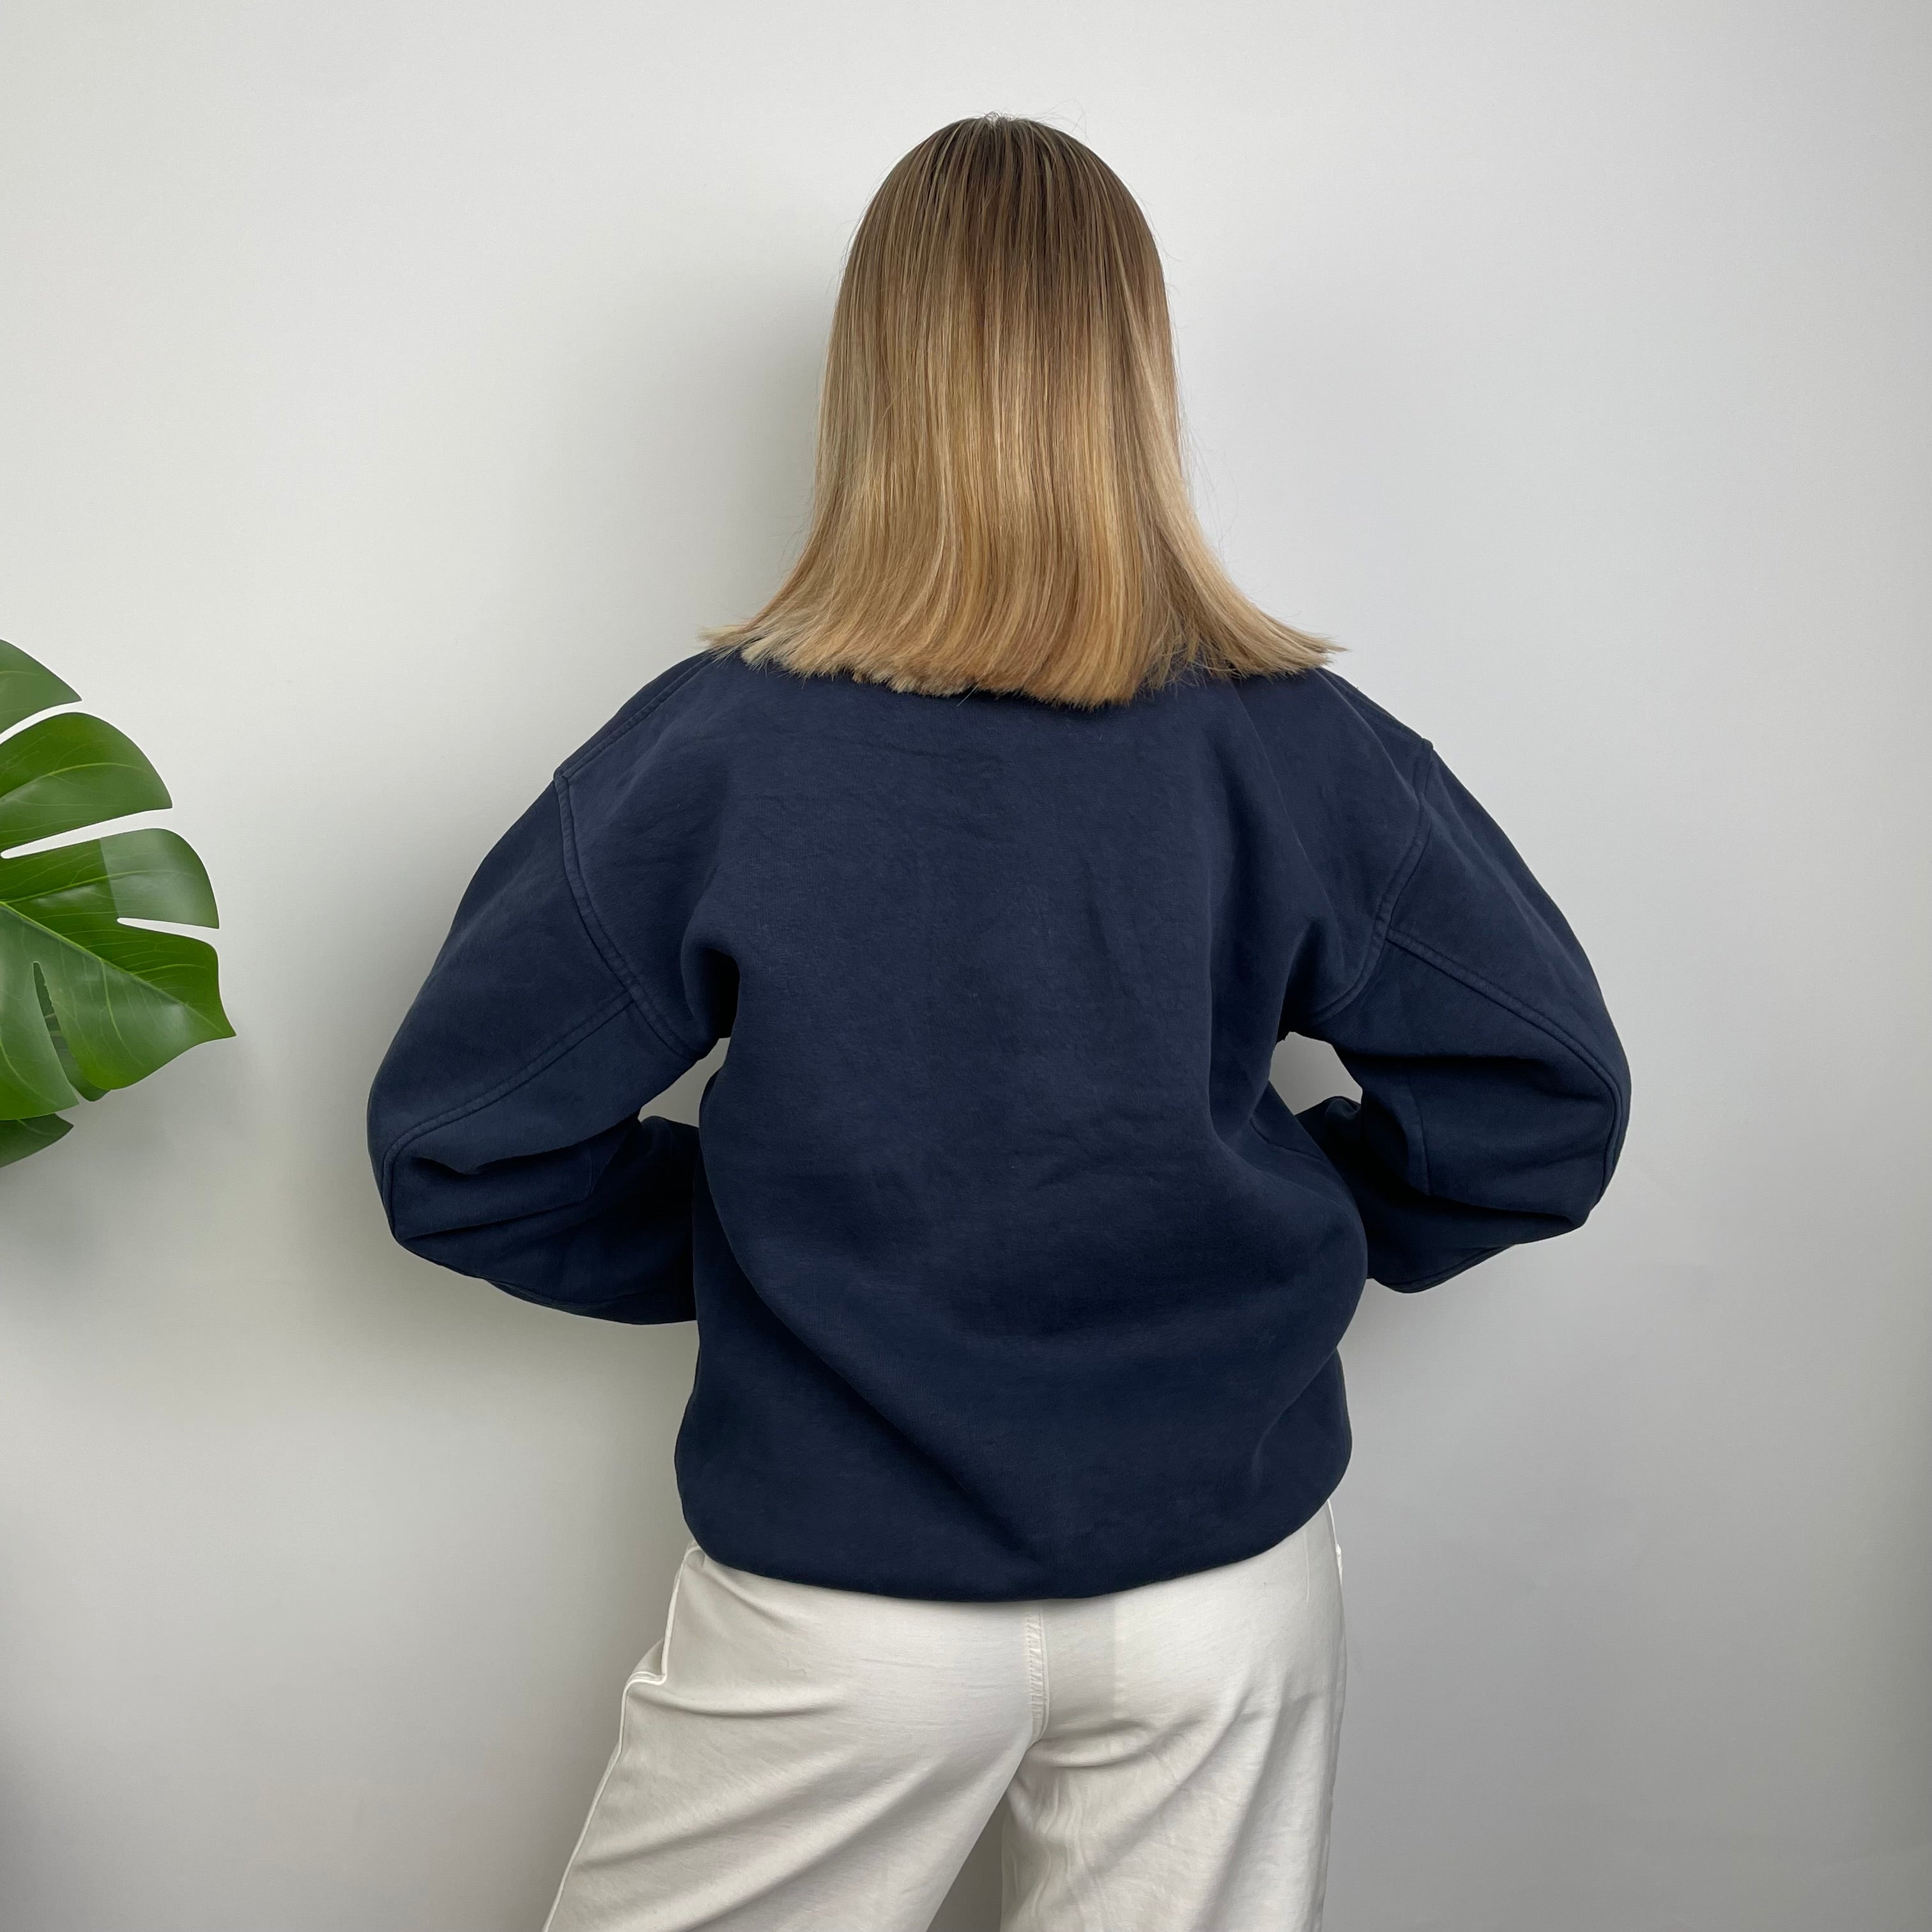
(619, 967)
(597, 1021)
(1414, 1283)
(1476, 982)
(1385, 906)
(594, 1309)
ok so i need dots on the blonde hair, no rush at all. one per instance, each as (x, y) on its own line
(1000, 501)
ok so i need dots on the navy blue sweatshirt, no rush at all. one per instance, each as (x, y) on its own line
(1013, 1276)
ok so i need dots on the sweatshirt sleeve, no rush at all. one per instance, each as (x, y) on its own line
(503, 1122)
(1494, 1092)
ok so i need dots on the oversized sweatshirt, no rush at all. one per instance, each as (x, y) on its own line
(1014, 1277)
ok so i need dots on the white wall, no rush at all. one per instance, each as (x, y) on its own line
(387, 388)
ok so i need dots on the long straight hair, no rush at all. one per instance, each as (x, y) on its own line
(1000, 501)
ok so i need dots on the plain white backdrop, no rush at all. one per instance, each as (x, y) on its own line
(388, 387)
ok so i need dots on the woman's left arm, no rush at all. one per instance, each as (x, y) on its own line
(1495, 1090)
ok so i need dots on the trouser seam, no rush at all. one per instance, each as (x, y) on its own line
(1039, 1687)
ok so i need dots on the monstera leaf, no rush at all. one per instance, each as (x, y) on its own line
(88, 1004)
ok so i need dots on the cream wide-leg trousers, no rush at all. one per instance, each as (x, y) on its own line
(795, 1758)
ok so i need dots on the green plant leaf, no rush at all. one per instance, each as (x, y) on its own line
(70, 771)
(70, 1066)
(19, 1138)
(27, 685)
(81, 994)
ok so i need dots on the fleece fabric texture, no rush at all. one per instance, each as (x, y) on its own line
(1013, 1276)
